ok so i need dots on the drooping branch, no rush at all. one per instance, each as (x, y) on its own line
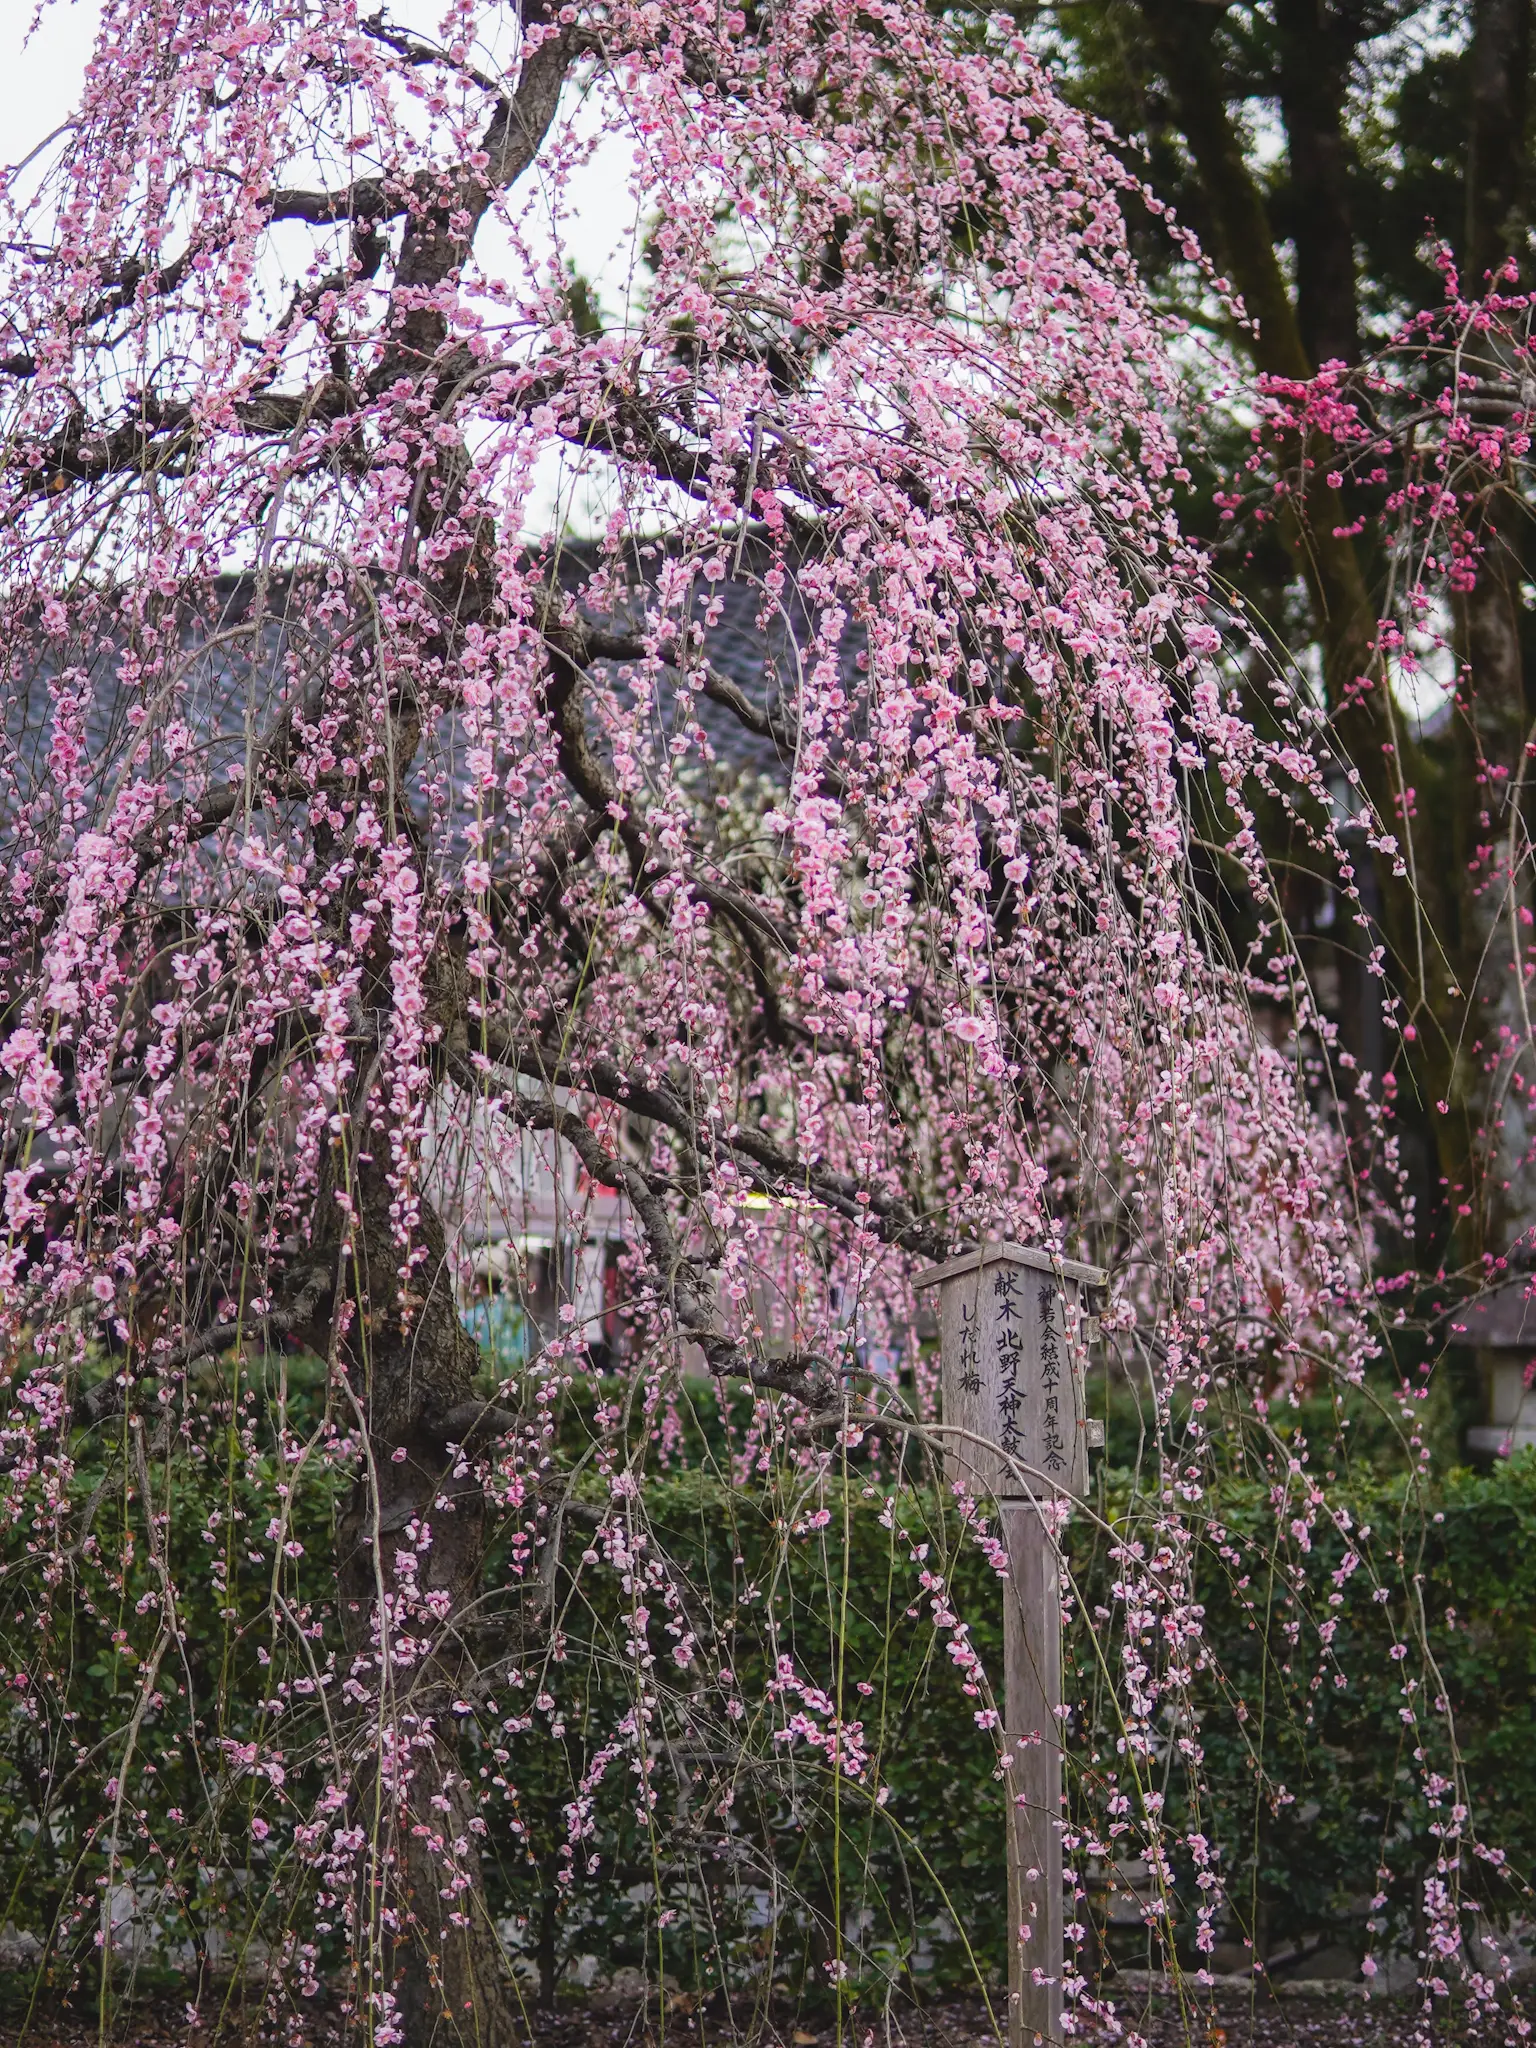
(766, 1165)
(592, 781)
(678, 1277)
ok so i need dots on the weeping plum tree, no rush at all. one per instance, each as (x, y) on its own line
(355, 820)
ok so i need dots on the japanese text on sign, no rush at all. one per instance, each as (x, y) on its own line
(1010, 1356)
(970, 1353)
(1053, 1448)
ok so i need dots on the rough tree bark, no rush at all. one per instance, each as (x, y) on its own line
(1316, 51)
(1496, 155)
(412, 1363)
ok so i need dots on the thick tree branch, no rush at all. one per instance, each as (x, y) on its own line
(774, 1170)
(805, 1375)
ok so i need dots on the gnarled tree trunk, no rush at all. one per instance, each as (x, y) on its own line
(410, 1556)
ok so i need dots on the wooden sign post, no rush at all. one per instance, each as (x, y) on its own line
(1013, 1334)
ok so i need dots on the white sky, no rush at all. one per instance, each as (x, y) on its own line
(41, 74)
(39, 82)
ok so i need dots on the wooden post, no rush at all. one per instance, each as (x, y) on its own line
(1032, 1735)
(1013, 1337)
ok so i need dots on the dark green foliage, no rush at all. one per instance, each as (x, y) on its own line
(753, 1853)
(1320, 1789)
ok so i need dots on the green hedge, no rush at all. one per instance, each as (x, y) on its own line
(755, 1852)
(1307, 1798)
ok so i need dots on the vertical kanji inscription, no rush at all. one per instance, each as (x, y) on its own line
(1053, 1447)
(1012, 1372)
(970, 1347)
(1007, 1293)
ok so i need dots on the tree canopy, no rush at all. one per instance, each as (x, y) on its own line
(357, 822)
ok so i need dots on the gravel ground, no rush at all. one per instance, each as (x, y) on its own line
(1228, 2022)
